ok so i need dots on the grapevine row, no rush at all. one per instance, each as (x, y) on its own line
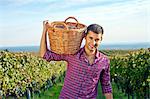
(131, 73)
(22, 71)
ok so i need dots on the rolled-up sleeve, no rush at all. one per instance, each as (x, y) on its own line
(49, 55)
(105, 78)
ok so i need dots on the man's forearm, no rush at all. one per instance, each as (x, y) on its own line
(43, 44)
(108, 95)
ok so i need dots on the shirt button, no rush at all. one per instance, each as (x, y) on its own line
(87, 96)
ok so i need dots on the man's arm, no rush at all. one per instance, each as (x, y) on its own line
(105, 80)
(43, 45)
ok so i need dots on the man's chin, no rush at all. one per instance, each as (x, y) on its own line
(92, 50)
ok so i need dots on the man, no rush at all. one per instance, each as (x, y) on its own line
(85, 68)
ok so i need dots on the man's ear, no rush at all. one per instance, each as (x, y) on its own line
(101, 38)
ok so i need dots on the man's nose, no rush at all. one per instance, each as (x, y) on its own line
(94, 43)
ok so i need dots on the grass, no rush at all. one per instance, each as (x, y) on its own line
(52, 93)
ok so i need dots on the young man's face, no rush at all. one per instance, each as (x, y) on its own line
(92, 41)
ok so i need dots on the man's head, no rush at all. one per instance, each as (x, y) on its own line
(93, 37)
(94, 28)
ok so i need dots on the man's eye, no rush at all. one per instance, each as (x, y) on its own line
(91, 38)
(97, 40)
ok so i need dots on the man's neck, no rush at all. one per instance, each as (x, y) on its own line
(90, 54)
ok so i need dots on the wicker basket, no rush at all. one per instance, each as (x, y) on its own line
(66, 37)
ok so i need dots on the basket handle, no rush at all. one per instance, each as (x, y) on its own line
(72, 18)
(54, 24)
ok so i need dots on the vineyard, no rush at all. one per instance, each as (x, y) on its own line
(131, 73)
(22, 74)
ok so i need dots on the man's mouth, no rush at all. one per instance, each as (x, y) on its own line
(91, 46)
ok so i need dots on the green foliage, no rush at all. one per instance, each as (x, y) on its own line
(19, 71)
(132, 73)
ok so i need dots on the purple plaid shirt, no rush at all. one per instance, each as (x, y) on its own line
(81, 80)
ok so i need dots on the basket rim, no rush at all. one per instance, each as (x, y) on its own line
(67, 23)
(72, 29)
(60, 29)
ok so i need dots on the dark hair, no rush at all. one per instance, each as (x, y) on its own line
(94, 28)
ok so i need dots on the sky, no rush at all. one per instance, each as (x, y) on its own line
(124, 21)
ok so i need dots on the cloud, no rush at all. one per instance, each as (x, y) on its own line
(24, 2)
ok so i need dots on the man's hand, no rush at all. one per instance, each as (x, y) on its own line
(46, 25)
(108, 95)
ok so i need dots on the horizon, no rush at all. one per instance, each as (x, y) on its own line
(103, 44)
(123, 21)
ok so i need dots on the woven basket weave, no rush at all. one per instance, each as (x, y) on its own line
(66, 37)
